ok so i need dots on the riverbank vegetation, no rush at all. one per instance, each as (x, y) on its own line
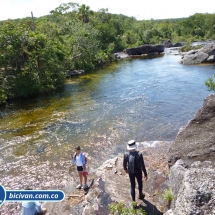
(35, 54)
(121, 209)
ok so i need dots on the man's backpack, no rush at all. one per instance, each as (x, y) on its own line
(133, 161)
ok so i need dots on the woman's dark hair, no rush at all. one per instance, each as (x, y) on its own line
(78, 148)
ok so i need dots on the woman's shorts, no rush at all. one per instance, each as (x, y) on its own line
(80, 168)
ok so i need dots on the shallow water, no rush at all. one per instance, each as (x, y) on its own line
(142, 99)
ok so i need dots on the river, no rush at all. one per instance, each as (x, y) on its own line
(142, 99)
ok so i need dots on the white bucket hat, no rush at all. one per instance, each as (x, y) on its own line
(131, 145)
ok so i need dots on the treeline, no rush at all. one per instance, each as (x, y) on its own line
(35, 54)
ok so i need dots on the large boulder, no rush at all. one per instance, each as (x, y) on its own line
(196, 141)
(205, 54)
(192, 161)
(194, 57)
(168, 44)
(145, 49)
(208, 49)
(177, 45)
(194, 187)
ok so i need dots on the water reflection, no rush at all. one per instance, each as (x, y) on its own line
(144, 99)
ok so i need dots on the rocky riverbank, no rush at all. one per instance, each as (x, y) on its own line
(190, 158)
(109, 183)
(204, 55)
(192, 168)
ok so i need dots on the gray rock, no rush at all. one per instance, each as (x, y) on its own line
(169, 212)
(177, 45)
(205, 54)
(208, 49)
(211, 58)
(168, 44)
(74, 73)
(194, 58)
(153, 53)
(192, 162)
(195, 189)
(196, 141)
(120, 55)
(145, 49)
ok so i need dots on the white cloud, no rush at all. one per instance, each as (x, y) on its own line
(141, 9)
(11, 9)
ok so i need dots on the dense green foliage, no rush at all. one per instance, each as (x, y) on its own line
(28, 61)
(210, 83)
(34, 58)
(188, 47)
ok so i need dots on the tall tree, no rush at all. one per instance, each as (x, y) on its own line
(84, 12)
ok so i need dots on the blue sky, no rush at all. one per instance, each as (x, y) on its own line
(141, 9)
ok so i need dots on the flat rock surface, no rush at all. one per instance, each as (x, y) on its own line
(109, 183)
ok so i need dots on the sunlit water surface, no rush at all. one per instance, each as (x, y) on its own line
(142, 99)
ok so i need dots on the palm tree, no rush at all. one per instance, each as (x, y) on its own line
(84, 12)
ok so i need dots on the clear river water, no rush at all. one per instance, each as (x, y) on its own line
(142, 99)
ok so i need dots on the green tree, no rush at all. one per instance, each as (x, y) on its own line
(74, 37)
(84, 12)
(29, 62)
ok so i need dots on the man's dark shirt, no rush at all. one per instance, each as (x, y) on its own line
(136, 161)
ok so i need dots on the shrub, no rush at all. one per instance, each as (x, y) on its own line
(120, 209)
(188, 47)
(210, 83)
(168, 196)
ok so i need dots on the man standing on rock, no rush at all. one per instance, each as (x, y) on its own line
(133, 164)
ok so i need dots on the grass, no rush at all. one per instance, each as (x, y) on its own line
(121, 209)
(168, 196)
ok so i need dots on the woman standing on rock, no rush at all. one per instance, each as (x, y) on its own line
(80, 161)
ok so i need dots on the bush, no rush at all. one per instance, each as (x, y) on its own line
(187, 48)
(210, 83)
(168, 196)
(3, 96)
(120, 209)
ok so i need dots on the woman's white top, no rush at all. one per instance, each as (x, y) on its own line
(78, 160)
